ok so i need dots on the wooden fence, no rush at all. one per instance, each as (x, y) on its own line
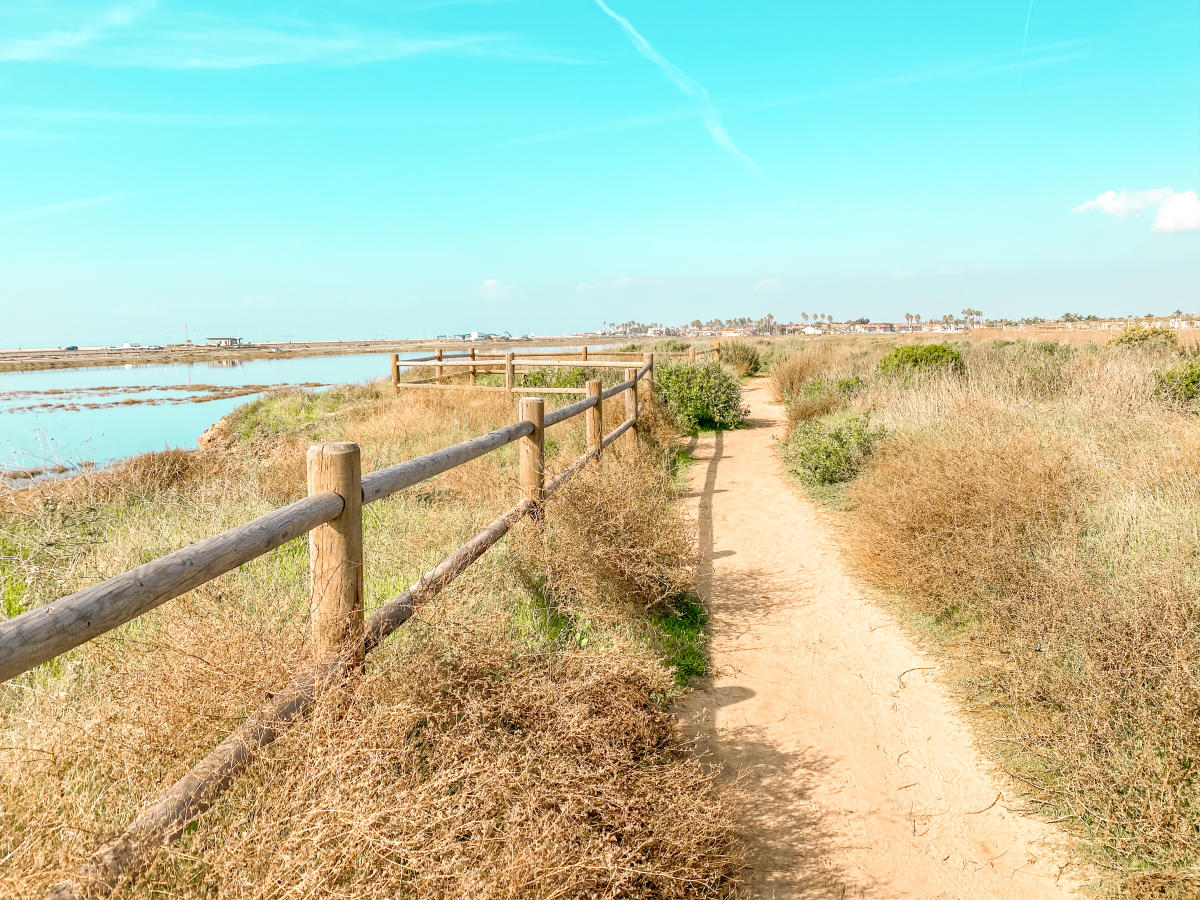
(472, 363)
(331, 515)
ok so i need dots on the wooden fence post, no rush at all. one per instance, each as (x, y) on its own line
(438, 370)
(717, 349)
(395, 372)
(335, 557)
(509, 371)
(533, 472)
(631, 403)
(583, 353)
(691, 353)
(649, 358)
(595, 416)
(474, 378)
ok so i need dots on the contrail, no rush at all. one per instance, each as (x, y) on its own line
(1024, 41)
(686, 84)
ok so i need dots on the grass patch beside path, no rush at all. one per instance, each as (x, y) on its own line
(513, 739)
(1035, 510)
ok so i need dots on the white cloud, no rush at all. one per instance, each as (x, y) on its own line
(687, 84)
(174, 39)
(766, 284)
(54, 43)
(1180, 212)
(51, 209)
(1177, 210)
(493, 289)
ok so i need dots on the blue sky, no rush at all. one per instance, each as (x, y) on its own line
(375, 168)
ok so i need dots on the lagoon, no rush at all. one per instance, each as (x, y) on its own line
(43, 420)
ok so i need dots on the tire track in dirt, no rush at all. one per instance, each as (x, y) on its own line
(860, 779)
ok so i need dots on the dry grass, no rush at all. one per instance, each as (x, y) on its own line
(790, 374)
(502, 745)
(1039, 514)
(801, 408)
(597, 546)
(1076, 337)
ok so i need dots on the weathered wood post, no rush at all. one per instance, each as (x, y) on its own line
(717, 349)
(594, 416)
(395, 372)
(509, 372)
(649, 358)
(474, 373)
(335, 554)
(438, 370)
(691, 353)
(583, 353)
(533, 472)
(631, 403)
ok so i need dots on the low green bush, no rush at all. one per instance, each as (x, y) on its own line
(1143, 335)
(848, 387)
(573, 377)
(1180, 384)
(701, 396)
(742, 357)
(832, 450)
(912, 357)
(670, 345)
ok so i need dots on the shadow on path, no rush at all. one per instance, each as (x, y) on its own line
(790, 848)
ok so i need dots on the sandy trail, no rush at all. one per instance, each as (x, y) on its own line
(861, 780)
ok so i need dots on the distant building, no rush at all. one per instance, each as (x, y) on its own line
(225, 341)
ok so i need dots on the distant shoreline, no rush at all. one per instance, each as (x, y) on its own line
(92, 357)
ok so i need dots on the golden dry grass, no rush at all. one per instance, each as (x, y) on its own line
(1076, 337)
(1039, 514)
(511, 741)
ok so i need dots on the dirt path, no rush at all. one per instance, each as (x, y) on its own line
(860, 778)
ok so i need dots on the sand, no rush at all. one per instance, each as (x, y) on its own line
(860, 776)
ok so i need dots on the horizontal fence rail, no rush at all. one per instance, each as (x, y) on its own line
(512, 365)
(332, 517)
(33, 637)
(385, 482)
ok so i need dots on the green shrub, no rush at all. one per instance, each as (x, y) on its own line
(912, 357)
(742, 357)
(701, 396)
(670, 345)
(573, 377)
(1180, 384)
(1142, 335)
(848, 387)
(830, 451)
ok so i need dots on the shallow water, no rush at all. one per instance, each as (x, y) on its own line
(33, 437)
(36, 437)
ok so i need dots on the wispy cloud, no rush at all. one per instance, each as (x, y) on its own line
(974, 67)
(53, 44)
(687, 85)
(142, 117)
(1024, 41)
(1177, 210)
(492, 289)
(54, 209)
(182, 40)
(671, 115)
